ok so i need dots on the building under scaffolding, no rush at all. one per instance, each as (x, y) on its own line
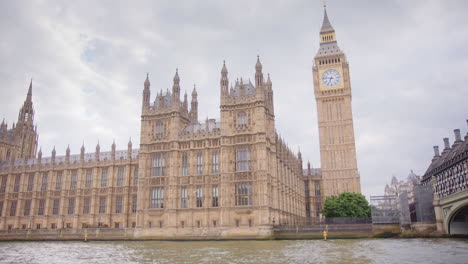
(384, 209)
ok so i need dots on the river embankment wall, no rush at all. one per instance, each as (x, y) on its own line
(312, 232)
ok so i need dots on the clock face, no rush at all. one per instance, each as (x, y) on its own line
(331, 78)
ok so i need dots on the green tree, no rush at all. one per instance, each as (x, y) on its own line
(346, 205)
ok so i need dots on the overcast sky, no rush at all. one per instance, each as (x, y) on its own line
(89, 59)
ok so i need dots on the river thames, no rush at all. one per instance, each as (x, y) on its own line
(297, 251)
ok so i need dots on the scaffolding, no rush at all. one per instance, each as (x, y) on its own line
(384, 209)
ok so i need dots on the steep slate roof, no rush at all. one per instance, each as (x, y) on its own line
(326, 25)
(243, 89)
(197, 128)
(458, 152)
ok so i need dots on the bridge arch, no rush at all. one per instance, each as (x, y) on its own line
(457, 220)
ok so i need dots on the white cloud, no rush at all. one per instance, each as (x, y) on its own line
(89, 59)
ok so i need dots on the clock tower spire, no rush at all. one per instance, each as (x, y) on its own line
(332, 89)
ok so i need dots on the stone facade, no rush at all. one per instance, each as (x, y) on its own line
(234, 177)
(332, 87)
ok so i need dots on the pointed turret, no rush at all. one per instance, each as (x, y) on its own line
(176, 90)
(185, 102)
(146, 94)
(39, 155)
(224, 83)
(194, 106)
(67, 154)
(258, 73)
(98, 151)
(82, 152)
(113, 150)
(129, 148)
(53, 155)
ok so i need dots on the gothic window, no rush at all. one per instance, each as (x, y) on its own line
(318, 209)
(44, 182)
(135, 177)
(89, 179)
(55, 207)
(134, 203)
(104, 178)
(86, 203)
(102, 205)
(183, 197)
(184, 165)
(17, 183)
(118, 204)
(199, 195)
(199, 163)
(215, 196)
(215, 162)
(27, 207)
(58, 180)
(8, 155)
(243, 159)
(13, 208)
(317, 189)
(41, 206)
(71, 206)
(242, 120)
(157, 197)
(4, 182)
(120, 176)
(243, 194)
(158, 166)
(30, 183)
(74, 176)
(159, 129)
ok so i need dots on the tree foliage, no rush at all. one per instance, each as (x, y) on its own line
(346, 205)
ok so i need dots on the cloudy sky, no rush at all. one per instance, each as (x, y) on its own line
(88, 61)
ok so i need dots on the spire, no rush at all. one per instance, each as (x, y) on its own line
(146, 94)
(258, 73)
(326, 25)
(29, 96)
(258, 65)
(268, 80)
(224, 70)
(147, 82)
(176, 90)
(194, 92)
(130, 143)
(224, 81)
(176, 76)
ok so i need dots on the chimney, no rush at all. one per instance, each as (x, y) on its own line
(457, 136)
(447, 144)
(436, 151)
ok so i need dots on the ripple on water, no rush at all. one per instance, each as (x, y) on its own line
(362, 251)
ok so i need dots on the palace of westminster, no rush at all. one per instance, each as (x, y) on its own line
(227, 177)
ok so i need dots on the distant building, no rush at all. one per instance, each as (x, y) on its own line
(414, 200)
(448, 176)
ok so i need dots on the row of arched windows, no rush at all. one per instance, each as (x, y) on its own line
(327, 38)
(329, 61)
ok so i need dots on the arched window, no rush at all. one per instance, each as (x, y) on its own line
(8, 155)
(242, 119)
(159, 129)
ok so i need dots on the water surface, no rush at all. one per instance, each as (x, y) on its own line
(383, 251)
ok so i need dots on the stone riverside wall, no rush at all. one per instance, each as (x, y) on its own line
(335, 231)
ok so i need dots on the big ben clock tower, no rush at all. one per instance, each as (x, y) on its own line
(332, 87)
